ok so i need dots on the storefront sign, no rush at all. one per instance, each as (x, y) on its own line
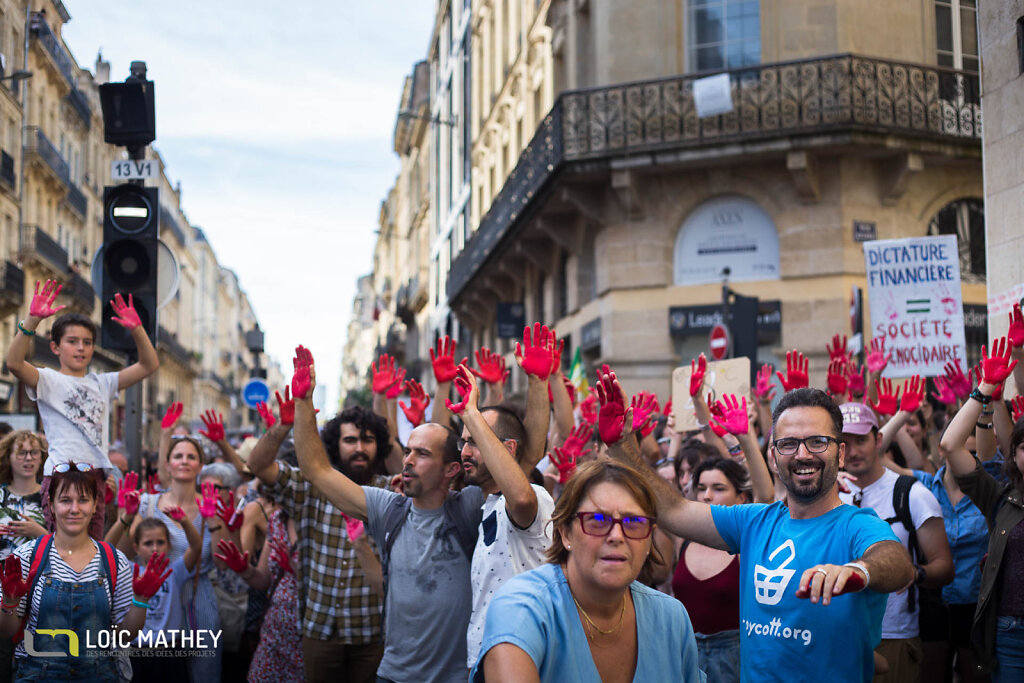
(727, 238)
(684, 321)
(916, 307)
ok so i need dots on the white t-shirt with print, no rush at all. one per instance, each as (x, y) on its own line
(899, 622)
(502, 551)
(75, 414)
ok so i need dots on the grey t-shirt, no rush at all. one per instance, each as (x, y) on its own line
(429, 597)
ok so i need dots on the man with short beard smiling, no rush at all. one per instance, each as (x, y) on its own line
(847, 559)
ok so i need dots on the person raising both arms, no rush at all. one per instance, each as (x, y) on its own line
(74, 404)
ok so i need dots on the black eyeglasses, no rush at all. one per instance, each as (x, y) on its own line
(813, 444)
(599, 524)
(466, 442)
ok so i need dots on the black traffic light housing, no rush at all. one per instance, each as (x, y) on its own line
(129, 110)
(130, 232)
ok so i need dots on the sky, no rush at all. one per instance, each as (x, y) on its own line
(276, 118)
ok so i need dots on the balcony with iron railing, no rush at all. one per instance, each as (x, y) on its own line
(41, 31)
(38, 146)
(76, 98)
(654, 121)
(169, 343)
(34, 245)
(81, 292)
(12, 279)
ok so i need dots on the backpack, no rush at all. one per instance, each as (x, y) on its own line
(901, 507)
(458, 523)
(108, 559)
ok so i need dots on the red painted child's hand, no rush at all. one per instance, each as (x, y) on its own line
(125, 315)
(14, 587)
(42, 302)
(279, 554)
(149, 583)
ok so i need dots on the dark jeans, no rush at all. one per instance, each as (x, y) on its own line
(331, 661)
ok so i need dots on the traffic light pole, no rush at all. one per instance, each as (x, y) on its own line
(133, 394)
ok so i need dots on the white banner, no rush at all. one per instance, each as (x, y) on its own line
(916, 305)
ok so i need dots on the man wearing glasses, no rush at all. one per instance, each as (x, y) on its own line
(800, 558)
(515, 530)
(873, 488)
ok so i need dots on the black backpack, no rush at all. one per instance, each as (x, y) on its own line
(901, 507)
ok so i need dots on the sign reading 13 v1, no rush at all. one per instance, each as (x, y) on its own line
(133, 170)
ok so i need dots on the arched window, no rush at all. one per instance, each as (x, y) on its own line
(730, 232)
(964, 218)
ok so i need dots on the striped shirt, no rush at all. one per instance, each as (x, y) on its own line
(61, 571)
(335, 599)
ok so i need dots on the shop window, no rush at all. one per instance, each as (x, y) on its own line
(964, 218)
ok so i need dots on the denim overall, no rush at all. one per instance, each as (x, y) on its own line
(81, 606)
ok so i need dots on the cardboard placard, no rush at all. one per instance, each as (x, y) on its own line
(916, 304)
(731, 376)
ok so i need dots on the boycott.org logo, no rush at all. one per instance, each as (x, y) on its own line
(53, 633)
(774, 629)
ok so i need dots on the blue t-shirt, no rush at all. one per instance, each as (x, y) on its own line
(535, 612)
(785, 638)
(967, 533)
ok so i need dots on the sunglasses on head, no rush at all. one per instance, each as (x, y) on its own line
(66, 467)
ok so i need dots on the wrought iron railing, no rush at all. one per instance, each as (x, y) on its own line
(807, 96)
(168, 222)
(35, 244)
(36, 142)
(76, 200)
(842, 93)
(76, 98)
(171, 344)
(7, 175)
(81, 291)
(13, 281)
(41, 30)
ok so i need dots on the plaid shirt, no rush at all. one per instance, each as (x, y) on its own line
(335, 600)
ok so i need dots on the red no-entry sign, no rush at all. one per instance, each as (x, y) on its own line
(719, 341)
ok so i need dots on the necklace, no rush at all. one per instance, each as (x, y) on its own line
(593, 626)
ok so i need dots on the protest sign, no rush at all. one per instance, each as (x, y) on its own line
(916, 306)
(722, 377)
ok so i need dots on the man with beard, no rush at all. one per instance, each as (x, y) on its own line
(848, 559)
(515, 531)
(340, 615)
(426, 539)
(873, 488)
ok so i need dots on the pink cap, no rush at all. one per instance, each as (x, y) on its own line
(858, 418)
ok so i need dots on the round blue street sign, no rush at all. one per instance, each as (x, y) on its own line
(255, 391)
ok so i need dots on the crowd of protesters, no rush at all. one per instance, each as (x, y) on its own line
(859, 530)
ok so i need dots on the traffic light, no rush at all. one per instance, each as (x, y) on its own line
(130, 232)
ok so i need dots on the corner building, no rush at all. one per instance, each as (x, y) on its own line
(619, 213)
